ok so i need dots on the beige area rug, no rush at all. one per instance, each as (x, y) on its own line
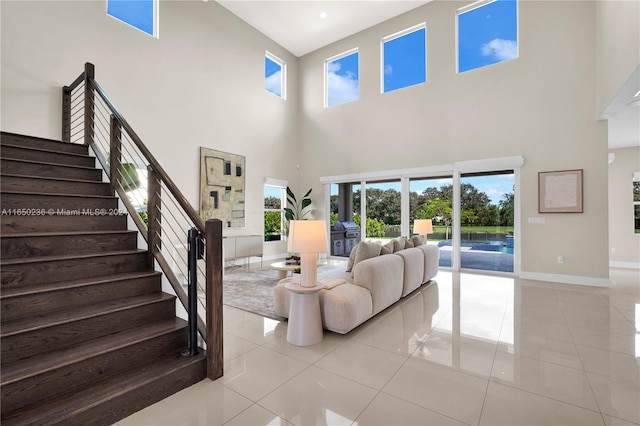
(253, 290)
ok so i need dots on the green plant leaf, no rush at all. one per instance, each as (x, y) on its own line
(305, 203)
(291, 196)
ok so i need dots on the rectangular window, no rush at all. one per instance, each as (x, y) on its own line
(275, 75)
(140, 14)
(404, 58)
(487, 34)
(274, 211)
(341, 78)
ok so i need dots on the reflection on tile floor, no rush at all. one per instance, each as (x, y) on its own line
(468, 349)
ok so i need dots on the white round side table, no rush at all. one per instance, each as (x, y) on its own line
(305, 322)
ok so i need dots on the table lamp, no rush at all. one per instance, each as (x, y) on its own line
(308, 238)
(423, 227)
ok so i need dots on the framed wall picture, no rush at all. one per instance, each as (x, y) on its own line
(560, 191)
(222, 180)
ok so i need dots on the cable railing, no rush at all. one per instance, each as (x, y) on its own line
(176, 236)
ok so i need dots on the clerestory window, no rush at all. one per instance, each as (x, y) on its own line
(404, 58)
(140, 14)
(487, 34)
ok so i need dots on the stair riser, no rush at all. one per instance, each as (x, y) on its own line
(59, 204)
(50, 186)
(36, 273)
(123, 405)
(40, 143)
(39, 388)
(27, 246)
(20, 168)
(35, 342)
(29, 305)
(21, 224)
(18, 153)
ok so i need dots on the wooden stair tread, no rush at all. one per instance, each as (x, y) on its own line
(47, 194)
(66, 407)
(16, 139)
(83, 282)
(14, 327)
(67, 234)
(55, 179)
(33, 366)
(26, 261)
(47, 163)
(11, 144)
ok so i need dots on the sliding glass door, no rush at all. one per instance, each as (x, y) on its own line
(432, 198)
(487, 221)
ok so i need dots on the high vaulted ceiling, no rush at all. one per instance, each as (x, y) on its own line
(304, 26)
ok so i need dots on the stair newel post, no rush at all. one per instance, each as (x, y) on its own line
(196, 249)
(213, 238)
(89, 102)
(154, 215)
(115, 149)
(66, 114)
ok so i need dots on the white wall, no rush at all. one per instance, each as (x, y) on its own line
(624, 244)
(541, 106)
(200, 84)
(618, 46)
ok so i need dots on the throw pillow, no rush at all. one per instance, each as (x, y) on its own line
(398, 244)
(352, 257)
(389, 246)
(418, 240)
(365, 251)
(408, 242)
(385, 250)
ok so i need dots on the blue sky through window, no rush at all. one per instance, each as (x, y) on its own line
(342, 79)
(137, 13)
(273, 76)
(405, 60)
(487, 35)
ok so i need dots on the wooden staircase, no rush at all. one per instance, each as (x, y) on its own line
(87, 335)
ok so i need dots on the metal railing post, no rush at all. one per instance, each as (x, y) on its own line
(195, 253)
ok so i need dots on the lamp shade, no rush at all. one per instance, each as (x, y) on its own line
(423, 226)
(307, 236)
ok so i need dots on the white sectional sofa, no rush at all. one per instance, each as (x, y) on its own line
(376, 282)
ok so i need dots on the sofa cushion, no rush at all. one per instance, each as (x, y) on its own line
(431, 260)
(345, 307)
(342, 308)
(352, 258)
(366, 250)
(413, 269)
(382, 276)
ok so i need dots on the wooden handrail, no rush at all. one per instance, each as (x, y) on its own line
(189, 210)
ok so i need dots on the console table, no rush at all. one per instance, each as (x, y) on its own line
(240, 246)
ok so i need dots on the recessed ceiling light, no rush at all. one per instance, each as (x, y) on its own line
(323, 14)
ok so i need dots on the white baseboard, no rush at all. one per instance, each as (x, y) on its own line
(566, 279)
(624, 265)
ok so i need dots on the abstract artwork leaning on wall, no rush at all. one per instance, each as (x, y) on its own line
(222, 177)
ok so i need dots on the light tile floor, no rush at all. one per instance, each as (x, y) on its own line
(468, 349)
